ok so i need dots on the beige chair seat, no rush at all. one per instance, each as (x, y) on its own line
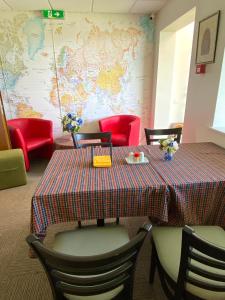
(168, 245)
(89, 241)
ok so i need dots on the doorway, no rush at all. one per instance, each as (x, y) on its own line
(175, 48)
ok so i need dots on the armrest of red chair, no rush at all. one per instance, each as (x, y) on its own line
(42, 127)
(18, 141)
(134, 132)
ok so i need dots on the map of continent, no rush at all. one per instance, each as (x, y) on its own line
(90, 64)
(34, 30)
(11, 49)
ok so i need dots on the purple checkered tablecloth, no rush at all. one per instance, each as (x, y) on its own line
(188, 190)
(195, 183)
(71, 189)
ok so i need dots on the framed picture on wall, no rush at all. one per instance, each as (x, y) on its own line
(207, 39)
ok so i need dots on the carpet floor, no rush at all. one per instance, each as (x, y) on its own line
(22, 278)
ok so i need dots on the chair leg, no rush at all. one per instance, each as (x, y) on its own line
(153, 264)
(128, 288)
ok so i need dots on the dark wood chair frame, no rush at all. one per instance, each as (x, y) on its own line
(63, 270)
(170, 131)
(107, 145)
(105, 137)
(191, 242)
(106, 141)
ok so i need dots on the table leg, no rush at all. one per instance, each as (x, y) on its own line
(100, 222)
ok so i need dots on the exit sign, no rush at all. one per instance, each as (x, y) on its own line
(53, 14)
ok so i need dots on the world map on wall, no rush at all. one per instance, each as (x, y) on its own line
(93, 65)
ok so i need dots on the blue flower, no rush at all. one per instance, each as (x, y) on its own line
(71, 122)
(79, 121)
(168, 156)
(69, 126)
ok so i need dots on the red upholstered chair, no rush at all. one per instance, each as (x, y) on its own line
(125, 129)
(30, 134)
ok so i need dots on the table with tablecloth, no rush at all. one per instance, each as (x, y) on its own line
(188, 190)
(196, 183)
(72, 189)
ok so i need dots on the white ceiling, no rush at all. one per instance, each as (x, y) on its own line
(95, 6)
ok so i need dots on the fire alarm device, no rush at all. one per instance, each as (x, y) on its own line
(200, 69)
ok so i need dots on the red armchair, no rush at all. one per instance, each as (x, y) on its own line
(30, 134)
(125, 129)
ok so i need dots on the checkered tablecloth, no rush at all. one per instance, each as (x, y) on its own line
(71, 189)
(195, 181)
(188, 190)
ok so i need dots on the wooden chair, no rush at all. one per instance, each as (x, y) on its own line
(104, 137)
(97, 261)
(191, 265)
(105, 141)
(166, 132)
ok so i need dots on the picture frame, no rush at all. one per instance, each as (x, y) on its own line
(207, 39)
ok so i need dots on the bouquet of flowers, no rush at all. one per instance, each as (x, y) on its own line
(169, 146)
(71, 123)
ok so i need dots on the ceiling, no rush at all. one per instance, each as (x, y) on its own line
(95, 6)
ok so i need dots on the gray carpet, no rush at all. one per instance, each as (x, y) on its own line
(22, 278)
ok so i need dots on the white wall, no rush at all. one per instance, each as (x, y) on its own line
(183, 47)
(219, 120)
(202, 89)
(165, 79)
(173, 74)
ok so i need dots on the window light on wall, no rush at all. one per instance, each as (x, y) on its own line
(219, 117)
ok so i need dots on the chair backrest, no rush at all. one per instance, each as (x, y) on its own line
(126, 120)
(105, 139)
(90, 275)
(21, 124)
(32, 127)
(194, 249)
(117, 123)
(176, 132)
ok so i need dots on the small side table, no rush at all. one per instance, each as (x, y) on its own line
(64, 142)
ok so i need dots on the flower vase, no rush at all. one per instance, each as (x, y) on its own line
(168, 156)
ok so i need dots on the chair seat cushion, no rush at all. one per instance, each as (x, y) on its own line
(89, 241)
(105, 296)
(12, 168)
(119, 139)
(36, 142)
(168, 245)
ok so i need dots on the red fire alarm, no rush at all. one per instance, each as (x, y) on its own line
(200, 69)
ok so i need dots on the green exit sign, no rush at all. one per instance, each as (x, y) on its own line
(53, 14)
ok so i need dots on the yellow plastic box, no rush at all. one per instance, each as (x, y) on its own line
(102, 161)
